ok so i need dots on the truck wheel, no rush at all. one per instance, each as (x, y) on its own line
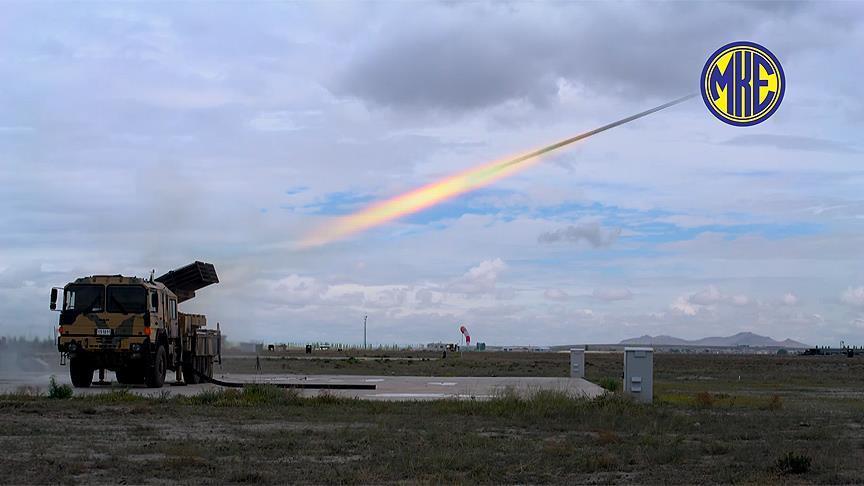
(154, 375)
(80, 372)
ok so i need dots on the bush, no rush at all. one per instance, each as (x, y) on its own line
(776, 403)
(704, 400)
(58, 391)
(716, 448)
(607, 437)
(793, 463)
(610, 384)
(206, 397)
(250, 395)
(268, 395)
(122, 395)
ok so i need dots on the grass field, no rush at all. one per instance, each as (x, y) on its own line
(754, 419)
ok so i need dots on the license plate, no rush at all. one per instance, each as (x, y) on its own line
(103, 332)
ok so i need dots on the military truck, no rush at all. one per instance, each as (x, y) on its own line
(132, 326)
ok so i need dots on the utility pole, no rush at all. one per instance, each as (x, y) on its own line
(364, 332)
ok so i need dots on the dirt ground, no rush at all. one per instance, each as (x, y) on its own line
(754, 419)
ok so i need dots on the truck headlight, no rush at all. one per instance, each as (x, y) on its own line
(72, 347)
(136, 348)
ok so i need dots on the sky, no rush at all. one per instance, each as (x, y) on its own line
(140, 136)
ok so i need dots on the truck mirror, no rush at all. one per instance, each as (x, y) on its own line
(154, 302)
(53, 299)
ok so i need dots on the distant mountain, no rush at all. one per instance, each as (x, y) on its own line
(662, 340)
(740, 339)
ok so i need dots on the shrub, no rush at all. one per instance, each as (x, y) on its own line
(776, 403)
(250, 395)
(58, 391)
(206, 397)
(122, 395)
(716, 448)
(704, 400)
(607, 437)
(246, 477)
(610, 384)
(793, 463)
(268, 395)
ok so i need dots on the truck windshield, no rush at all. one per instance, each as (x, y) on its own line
(128, 299)
(84, 298)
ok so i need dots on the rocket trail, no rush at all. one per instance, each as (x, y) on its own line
(450, 186)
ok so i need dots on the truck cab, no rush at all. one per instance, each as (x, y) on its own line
(132, 326)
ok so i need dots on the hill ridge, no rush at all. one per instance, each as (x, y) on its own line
(744, 338)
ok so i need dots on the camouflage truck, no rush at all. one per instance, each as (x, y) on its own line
(132, 326)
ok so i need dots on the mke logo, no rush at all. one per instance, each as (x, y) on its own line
(742, 83)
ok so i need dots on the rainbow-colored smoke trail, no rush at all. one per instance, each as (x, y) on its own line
(448, 187)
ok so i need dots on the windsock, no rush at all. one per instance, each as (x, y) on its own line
(464, 331)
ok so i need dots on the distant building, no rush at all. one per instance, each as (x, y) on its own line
(527, 349)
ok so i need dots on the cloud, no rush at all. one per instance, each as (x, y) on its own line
(854, 296)
(275, 121)
(15, 129)
(387, 298)
(481, 279)
(591, 233)
(22, 274)
(683, 306)
(740, 299)
(790, 299)
(612, 294)
(712, 296)
(556, 294)
(710, 299)
(791, 142)
(709, 296)
(472, 56)
(297, 290)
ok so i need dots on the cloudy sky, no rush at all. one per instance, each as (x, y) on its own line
(137, 136)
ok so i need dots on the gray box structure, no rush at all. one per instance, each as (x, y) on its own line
(577, 362)
(639, 373)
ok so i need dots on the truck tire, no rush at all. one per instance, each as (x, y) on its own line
(80, 372)
(154, 375)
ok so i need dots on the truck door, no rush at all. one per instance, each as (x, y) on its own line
(173, 325)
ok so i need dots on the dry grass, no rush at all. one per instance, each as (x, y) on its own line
(268, 435)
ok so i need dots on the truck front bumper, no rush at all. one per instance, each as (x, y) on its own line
(105, 349)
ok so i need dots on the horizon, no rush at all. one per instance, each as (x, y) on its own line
(230, 341)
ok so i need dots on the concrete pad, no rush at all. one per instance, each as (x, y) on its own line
(387, 387)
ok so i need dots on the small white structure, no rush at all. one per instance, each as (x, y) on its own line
(639, 373)
(577, 362)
